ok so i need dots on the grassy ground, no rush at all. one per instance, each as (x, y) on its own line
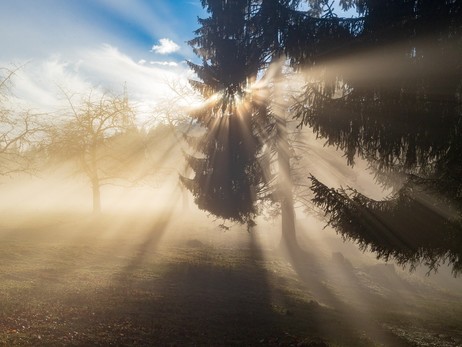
(114, 281)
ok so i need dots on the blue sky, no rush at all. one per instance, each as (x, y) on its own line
(85, 45)
(38, 27)
(81, 45)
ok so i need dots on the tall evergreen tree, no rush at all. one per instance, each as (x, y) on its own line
(226, 171)
(237, 41)
(397, 104)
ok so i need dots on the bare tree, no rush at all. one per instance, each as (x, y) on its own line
(19, 130)
(86, 135)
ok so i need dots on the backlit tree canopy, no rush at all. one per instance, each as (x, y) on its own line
(384, 86)
(226, 172)
(235, 43)
(390, 92)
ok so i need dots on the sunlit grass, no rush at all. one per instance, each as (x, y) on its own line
(118, 287)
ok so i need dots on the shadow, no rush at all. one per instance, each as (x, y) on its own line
(336, 294)
(187, 294)
(201, 296)
(221, 297)
(205, 299)
(156, 230)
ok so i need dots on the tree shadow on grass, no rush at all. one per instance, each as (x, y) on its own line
(205, 298)
(150, 243)
(357, 314)
(214, 297)
(178, 296)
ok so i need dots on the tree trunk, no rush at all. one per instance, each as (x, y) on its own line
(95, 181)
(285, 185)
(184, 196)
(288, 239)
(95, 185)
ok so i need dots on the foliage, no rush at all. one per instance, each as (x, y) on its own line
(237, 43)
(226, 171)
(384, 86)
(390, 93)
(414, 226)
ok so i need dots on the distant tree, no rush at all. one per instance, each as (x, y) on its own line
(163, 156)
(20, 131)
(88, 136)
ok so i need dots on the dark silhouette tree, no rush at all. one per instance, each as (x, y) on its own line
(226, 171)
(386, 87)
(401, 115)
(236, 43)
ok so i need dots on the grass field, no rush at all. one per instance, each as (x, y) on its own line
(177, 281)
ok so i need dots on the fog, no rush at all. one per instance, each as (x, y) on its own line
(48, 218)
(60, 196)
(121, 215)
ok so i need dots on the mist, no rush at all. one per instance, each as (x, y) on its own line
(51, 237)
(59, 195)
(295, 183)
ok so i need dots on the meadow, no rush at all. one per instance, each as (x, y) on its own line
(179, 279)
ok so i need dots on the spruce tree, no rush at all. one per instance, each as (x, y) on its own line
(237, 42)
(226, 171)
(397, 104)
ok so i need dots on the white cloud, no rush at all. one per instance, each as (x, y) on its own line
(166, 46)
(141, 61)
(164, 63)
(40, 83)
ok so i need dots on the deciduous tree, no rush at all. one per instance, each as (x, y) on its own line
(87, 135)
(20, 130)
